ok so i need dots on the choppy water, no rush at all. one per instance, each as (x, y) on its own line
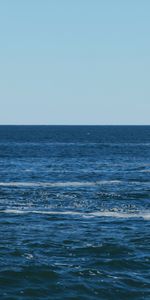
(74, 212)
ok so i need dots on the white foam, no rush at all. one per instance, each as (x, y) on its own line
(124, 215)
(145, 171)
(113, 214)
(13, 211)
(45, 184)
(146, 216)
(58, 184)
(110, 214)
(19, 211)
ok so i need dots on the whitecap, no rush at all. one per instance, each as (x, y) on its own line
(106, 213)
(58, 184)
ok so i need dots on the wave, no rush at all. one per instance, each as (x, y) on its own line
(58, 184)
(77, 143)
(113, 214)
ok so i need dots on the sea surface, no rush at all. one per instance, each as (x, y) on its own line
(74, 212)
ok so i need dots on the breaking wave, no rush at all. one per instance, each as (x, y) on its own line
(59, 184)
(113, 214)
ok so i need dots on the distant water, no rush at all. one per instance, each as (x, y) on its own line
(75, 212)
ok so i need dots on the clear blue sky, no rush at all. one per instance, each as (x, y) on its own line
(75, 62)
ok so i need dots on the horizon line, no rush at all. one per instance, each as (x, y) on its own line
(74, 124)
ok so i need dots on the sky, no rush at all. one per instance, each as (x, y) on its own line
(75, 62)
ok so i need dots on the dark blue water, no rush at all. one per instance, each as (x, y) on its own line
(74, 212)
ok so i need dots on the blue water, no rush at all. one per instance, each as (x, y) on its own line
(74, 212)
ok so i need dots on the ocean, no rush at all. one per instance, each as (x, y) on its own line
(75, 212)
